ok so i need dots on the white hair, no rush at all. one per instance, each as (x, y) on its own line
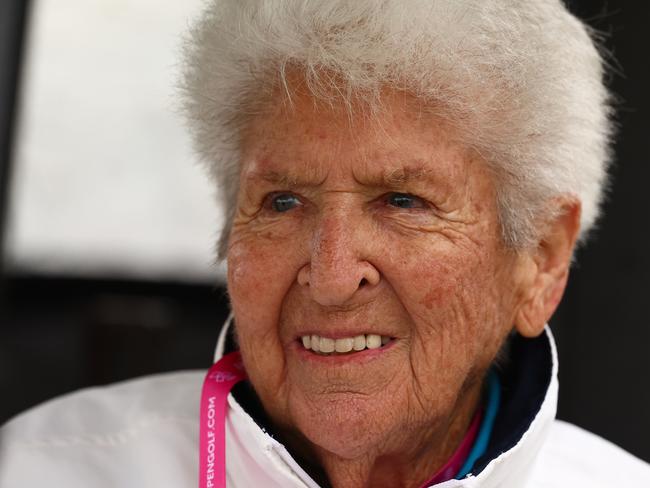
(520, 81)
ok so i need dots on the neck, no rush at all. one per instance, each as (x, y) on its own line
(400, 463)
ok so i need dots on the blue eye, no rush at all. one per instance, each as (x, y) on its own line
(284, 202)
(405, 200)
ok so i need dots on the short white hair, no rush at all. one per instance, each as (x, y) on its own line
(522, 82)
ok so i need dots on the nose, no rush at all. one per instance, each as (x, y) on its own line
(339, 273)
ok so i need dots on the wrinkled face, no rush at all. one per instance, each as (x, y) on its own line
(369, 283)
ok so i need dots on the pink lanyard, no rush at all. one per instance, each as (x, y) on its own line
(457, 459)
(221, 377)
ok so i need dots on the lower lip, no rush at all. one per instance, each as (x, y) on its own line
(363, 356)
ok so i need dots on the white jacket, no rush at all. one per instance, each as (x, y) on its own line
(144, 433)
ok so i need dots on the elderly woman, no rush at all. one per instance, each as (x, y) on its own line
(404, 184)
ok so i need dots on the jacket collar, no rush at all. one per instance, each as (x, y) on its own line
(529, 389)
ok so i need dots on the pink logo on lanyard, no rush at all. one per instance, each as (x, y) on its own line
(221, 377)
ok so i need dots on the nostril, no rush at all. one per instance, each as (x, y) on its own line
(363, 282)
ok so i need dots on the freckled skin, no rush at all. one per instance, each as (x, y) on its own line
(437, 278)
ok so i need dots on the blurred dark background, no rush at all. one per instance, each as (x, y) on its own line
(60, 331)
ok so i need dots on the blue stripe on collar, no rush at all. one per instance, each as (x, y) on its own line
(483, 438)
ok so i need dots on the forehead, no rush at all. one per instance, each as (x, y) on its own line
(308, 139)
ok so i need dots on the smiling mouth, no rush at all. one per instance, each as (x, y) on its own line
(344, 345)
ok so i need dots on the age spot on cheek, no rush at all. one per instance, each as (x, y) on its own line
(432, 298)
(438, 294)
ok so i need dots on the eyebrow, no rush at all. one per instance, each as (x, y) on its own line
(286, 180)
(394, 178)
(398, 177)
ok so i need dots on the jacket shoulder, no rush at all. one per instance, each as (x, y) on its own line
(139, 430)
(572, 456)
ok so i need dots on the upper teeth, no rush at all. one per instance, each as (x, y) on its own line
(346, 344)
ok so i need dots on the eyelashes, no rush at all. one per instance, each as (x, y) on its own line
(283, 202)
(406, 201)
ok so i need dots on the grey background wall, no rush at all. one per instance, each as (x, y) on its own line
(60, 333)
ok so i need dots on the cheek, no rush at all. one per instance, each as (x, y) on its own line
(434, 278)
(258, 277)
(453, 295)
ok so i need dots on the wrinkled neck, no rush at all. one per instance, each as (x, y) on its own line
(417, 460)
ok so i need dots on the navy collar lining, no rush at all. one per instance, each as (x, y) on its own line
(525, 379)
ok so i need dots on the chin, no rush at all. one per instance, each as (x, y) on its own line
(347, 426)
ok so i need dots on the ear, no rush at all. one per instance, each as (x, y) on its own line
(547, 268)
